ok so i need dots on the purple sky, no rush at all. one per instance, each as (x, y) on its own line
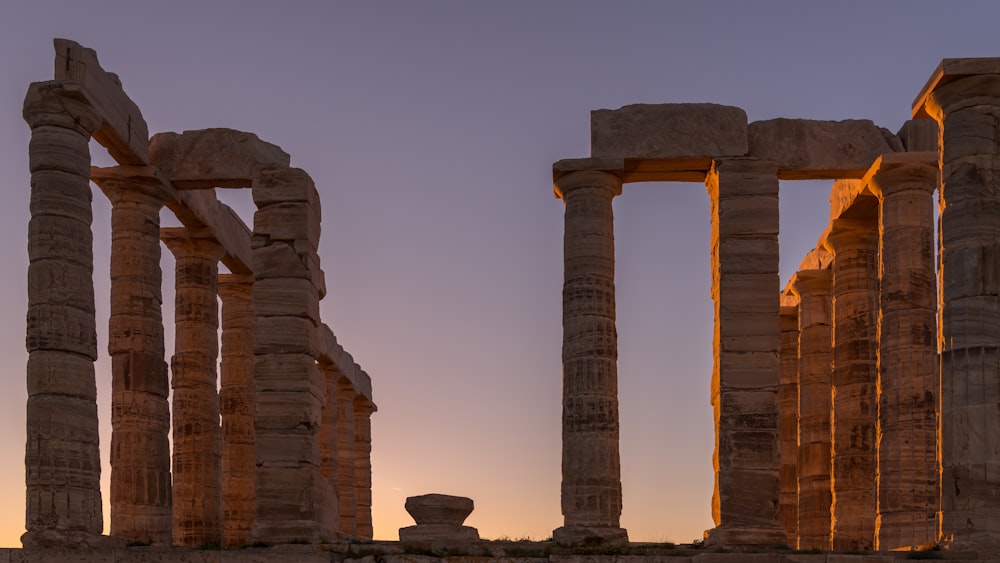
(430, 129)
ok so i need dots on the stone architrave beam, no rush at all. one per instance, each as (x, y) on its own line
(214, 158)
(123, 130)
(808, 149)
(668, 131)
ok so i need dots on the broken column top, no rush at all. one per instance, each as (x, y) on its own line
(951, 70)
(668, 131)
(214, 158)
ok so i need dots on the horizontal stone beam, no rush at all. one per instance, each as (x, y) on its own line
(123, 132)
(654, 131)
(632, 170)
(807, 149)
(213, 158)
(331, 351)
(195, 209)
(950, 70)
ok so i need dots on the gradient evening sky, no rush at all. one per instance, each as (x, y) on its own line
(430, 128)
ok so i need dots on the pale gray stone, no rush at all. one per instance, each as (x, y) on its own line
(668, 131)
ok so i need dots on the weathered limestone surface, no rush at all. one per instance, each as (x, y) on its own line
(140, 414)
(815, 380)
(908, 479)
(210, 158)
(62, 452)
(291, 490)
(363, 409)
(788, 420)
(346, 491)
(328, 437)
(591, 467)
(197, 436)
(968, 112)
(854, 244)
(668, 131)
(745, 381)
(812, 149)
(236, 399)
(919, 135)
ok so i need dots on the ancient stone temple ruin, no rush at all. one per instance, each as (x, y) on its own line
(275, 448)
(858, 408)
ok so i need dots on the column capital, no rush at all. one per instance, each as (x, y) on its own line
(131, 183)
(848, 234)
(898, 172)
(186, 242)
(587, 179)
(973, 77)
(811, 282)
(60, 103)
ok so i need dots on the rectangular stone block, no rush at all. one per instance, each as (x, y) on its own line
(284, 185)
(288, 372)
(294, 297)
(811, 149)
(209, 158)
(285, 335)
(668, 131)
(288, 222)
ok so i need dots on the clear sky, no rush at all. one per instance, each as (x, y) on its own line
(430, 128)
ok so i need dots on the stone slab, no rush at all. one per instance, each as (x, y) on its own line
(213, 158)
(668, 131)
(808, 149)
(124, 131)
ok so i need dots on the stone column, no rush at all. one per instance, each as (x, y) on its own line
(363, 409)
(291, 490)
(140, 414)
(197, 433)
(236, 397)
(854, 244)
(967, 108)
(346, 492)
(329, 439)
(745, 288)
(909, 384)
(62, 452)
(788, 423)
(591, 467)
(815, 382)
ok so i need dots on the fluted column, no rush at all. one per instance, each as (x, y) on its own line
(815, 382)
(788, 422)
(140, 415)
(236, 397)
(591, 467)
(62, 451)
(967, 109)
(346, 491)
(329, 439)
(197, 433)
(854, 243)
(363, 409)
(909, 384)
(747, 373)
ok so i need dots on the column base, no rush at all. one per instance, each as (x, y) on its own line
(590, 535)
(736, 537)
(289, 531)
(435, 537)
(72, 539)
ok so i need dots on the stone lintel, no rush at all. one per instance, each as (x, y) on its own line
(809, 149)
(668, 131)
(948, 71)
(123, 132)
(214, 158)
(194, 209)
(332, 352)
(632, 170)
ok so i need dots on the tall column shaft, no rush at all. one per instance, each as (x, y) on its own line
(815, 386)
(346, 492)
(363, 410)
(62, 451)
(591, 467)
(968, 112)
(197, 432)
(788, 422)
(747, 374)
(909, 384)
(854, 244)
(140, 414)
(236, 398)
(329, 441)
(291, 490)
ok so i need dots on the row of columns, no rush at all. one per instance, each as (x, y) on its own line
(866, 374)
(216, 489)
